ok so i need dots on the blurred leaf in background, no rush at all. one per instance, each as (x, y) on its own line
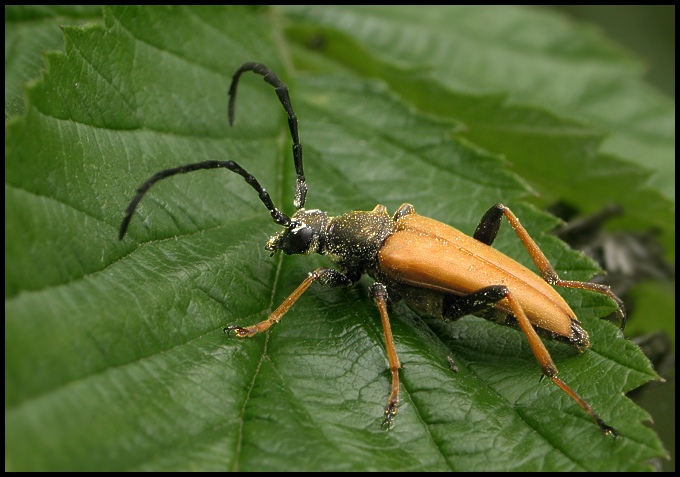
(114, 353)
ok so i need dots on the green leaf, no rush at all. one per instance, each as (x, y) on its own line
(614, 139)
(31, 30)
(115, 357)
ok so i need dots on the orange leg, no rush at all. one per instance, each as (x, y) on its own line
(548, 366)
(379, 294)
(326, 276)
(487, 230)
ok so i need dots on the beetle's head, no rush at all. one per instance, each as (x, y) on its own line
(304, 234)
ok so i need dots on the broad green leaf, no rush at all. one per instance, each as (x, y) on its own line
(35, 29)
(115, 357)
(483, 66)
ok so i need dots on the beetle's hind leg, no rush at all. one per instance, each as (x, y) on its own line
(487, 298)
(488, 229)
(547, 365)
(379, 295)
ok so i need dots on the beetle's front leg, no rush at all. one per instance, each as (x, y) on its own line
(325, 276)
(379, 295)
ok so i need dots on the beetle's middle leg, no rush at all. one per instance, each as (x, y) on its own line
(325, 276)
(455, 306)
(379, 295)
(488, 229)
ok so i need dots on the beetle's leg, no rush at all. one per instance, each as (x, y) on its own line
(489, 225)
(379, 295)
(546, 363)
(326, 276)
(404, 209)
(282, 92)
(486, 298)
(487, 230)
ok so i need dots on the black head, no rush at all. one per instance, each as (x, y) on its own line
(304, 235)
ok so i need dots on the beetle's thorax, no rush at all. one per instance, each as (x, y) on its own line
(351, 240)
(354, 239)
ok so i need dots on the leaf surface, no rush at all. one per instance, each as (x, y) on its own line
(115, 357)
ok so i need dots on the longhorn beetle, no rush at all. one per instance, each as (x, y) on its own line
(435, 268)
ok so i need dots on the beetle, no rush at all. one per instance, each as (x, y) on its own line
(433, 267)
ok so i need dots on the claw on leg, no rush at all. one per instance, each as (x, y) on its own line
(239, 331)
(390, 412)
(379, 294)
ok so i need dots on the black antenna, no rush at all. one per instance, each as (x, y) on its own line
(282, 92)
(278, 216)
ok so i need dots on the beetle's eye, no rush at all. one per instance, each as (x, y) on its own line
(297, 240)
